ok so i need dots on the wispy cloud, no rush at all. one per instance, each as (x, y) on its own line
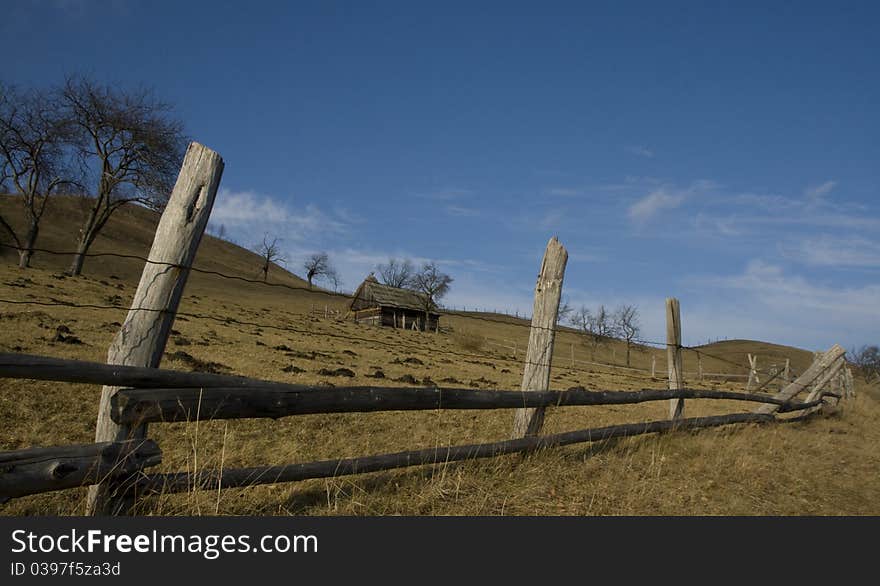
(445, 194)
(832, 251)
(817, 193)
(653, 203)
(246, 215)
(562, 191)
(461, 211)
(772, 285)
(666, 198)
(641, 151)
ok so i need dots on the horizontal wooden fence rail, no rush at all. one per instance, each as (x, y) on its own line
(137, 406)
(36, 470)
(78, 371)
(239, 477)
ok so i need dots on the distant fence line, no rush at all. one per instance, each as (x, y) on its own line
(136, 393)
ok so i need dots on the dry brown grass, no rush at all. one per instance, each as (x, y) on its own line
(825, 465)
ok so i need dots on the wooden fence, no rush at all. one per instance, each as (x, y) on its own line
(137, 393)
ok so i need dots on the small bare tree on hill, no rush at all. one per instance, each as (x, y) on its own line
(626, 322)
(396, 273)
(318, 266)
(34, 139)
(433, 285)
(270, 252)
(596, 326)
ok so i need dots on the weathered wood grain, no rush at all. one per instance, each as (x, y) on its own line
(536, 372)
(137, 406)
(36, 470)
(141, 340)
(810, 376)
(79, 371)
(673, 355)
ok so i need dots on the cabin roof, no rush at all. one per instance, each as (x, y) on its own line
(388, 296)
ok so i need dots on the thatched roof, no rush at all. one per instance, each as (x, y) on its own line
(373, 291)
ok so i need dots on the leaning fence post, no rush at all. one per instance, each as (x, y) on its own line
(536, 371)
(673, 355)
(141, 339)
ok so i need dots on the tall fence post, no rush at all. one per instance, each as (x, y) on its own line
(786, 374)
(536, 371)
(700, 366)
(673, 355)
(142, 338)
(653, 365)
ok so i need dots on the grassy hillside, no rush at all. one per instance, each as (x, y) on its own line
(821, 466)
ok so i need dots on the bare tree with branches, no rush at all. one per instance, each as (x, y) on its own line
(433, 285)
(34, 137)
(397, 273)
(318, 266)
(867, 360)
(130, 145)
(626, 321)
(597, 326)
(565, 311)
(270, 253)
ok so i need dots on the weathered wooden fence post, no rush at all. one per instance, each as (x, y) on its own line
(142, 338)
(753, 372)
(809, 377)
(536, 371)
(827, 377)
(653, 365)
(673, 355)
(700, 366)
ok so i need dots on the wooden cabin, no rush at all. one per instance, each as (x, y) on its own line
(383, 305)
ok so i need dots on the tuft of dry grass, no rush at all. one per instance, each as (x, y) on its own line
(468, 340)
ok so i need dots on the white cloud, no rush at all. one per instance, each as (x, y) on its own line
(641, 151)
(653, 203)
(794, 293)
(837, 252)
(816, 193)
(246, 215)
(461, 211)
(666, 198)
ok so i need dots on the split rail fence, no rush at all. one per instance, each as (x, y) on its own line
(137, 393)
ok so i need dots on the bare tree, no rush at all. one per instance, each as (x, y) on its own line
(397, 273)
(597, 326)
(270, 252)
(565, 311)
(318, 266)
(129, 144)
(34, 137)
(867, 360)
(433, 285)
(626, 321)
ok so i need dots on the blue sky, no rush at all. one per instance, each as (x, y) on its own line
(725, 153)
